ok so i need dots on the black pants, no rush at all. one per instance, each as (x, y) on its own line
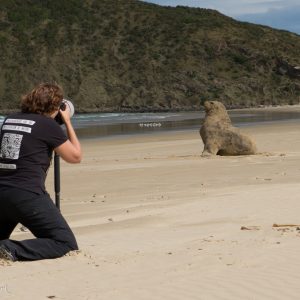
(38, 213)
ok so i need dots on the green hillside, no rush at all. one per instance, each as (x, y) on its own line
(122, 55)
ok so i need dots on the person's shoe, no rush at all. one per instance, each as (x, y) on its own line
(6, 254)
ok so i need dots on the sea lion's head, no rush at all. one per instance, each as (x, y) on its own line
(213, 107)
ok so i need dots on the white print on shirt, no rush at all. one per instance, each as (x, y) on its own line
(10, 146)
(8, 166)
(20, 121)
(17, 128)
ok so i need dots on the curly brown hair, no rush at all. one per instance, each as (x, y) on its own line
(43, 99)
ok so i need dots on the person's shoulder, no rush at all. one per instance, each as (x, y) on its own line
(15, 115)
(25, 116)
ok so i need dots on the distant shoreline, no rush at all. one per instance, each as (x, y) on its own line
(189, 109)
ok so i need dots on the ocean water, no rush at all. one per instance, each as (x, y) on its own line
(108, 125)
(103, 125)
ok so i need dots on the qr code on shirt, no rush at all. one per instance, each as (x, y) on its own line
(10, 146)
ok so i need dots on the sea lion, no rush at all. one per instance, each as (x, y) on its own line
(219, 136)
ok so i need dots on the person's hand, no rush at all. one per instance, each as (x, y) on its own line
(65, 115)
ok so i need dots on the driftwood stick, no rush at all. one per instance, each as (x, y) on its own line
(250, 228)
(285, 225)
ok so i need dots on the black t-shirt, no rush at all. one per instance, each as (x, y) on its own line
(26, 145)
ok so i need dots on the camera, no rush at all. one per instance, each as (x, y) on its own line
(65, 104)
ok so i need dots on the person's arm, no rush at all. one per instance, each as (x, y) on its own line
(70, 151)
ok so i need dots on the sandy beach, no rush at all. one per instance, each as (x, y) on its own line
(155, 220)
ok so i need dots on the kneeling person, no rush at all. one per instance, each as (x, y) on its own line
(27, 142)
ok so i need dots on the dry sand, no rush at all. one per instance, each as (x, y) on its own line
(155, 220)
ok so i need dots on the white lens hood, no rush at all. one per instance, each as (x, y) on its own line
(69, 106)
